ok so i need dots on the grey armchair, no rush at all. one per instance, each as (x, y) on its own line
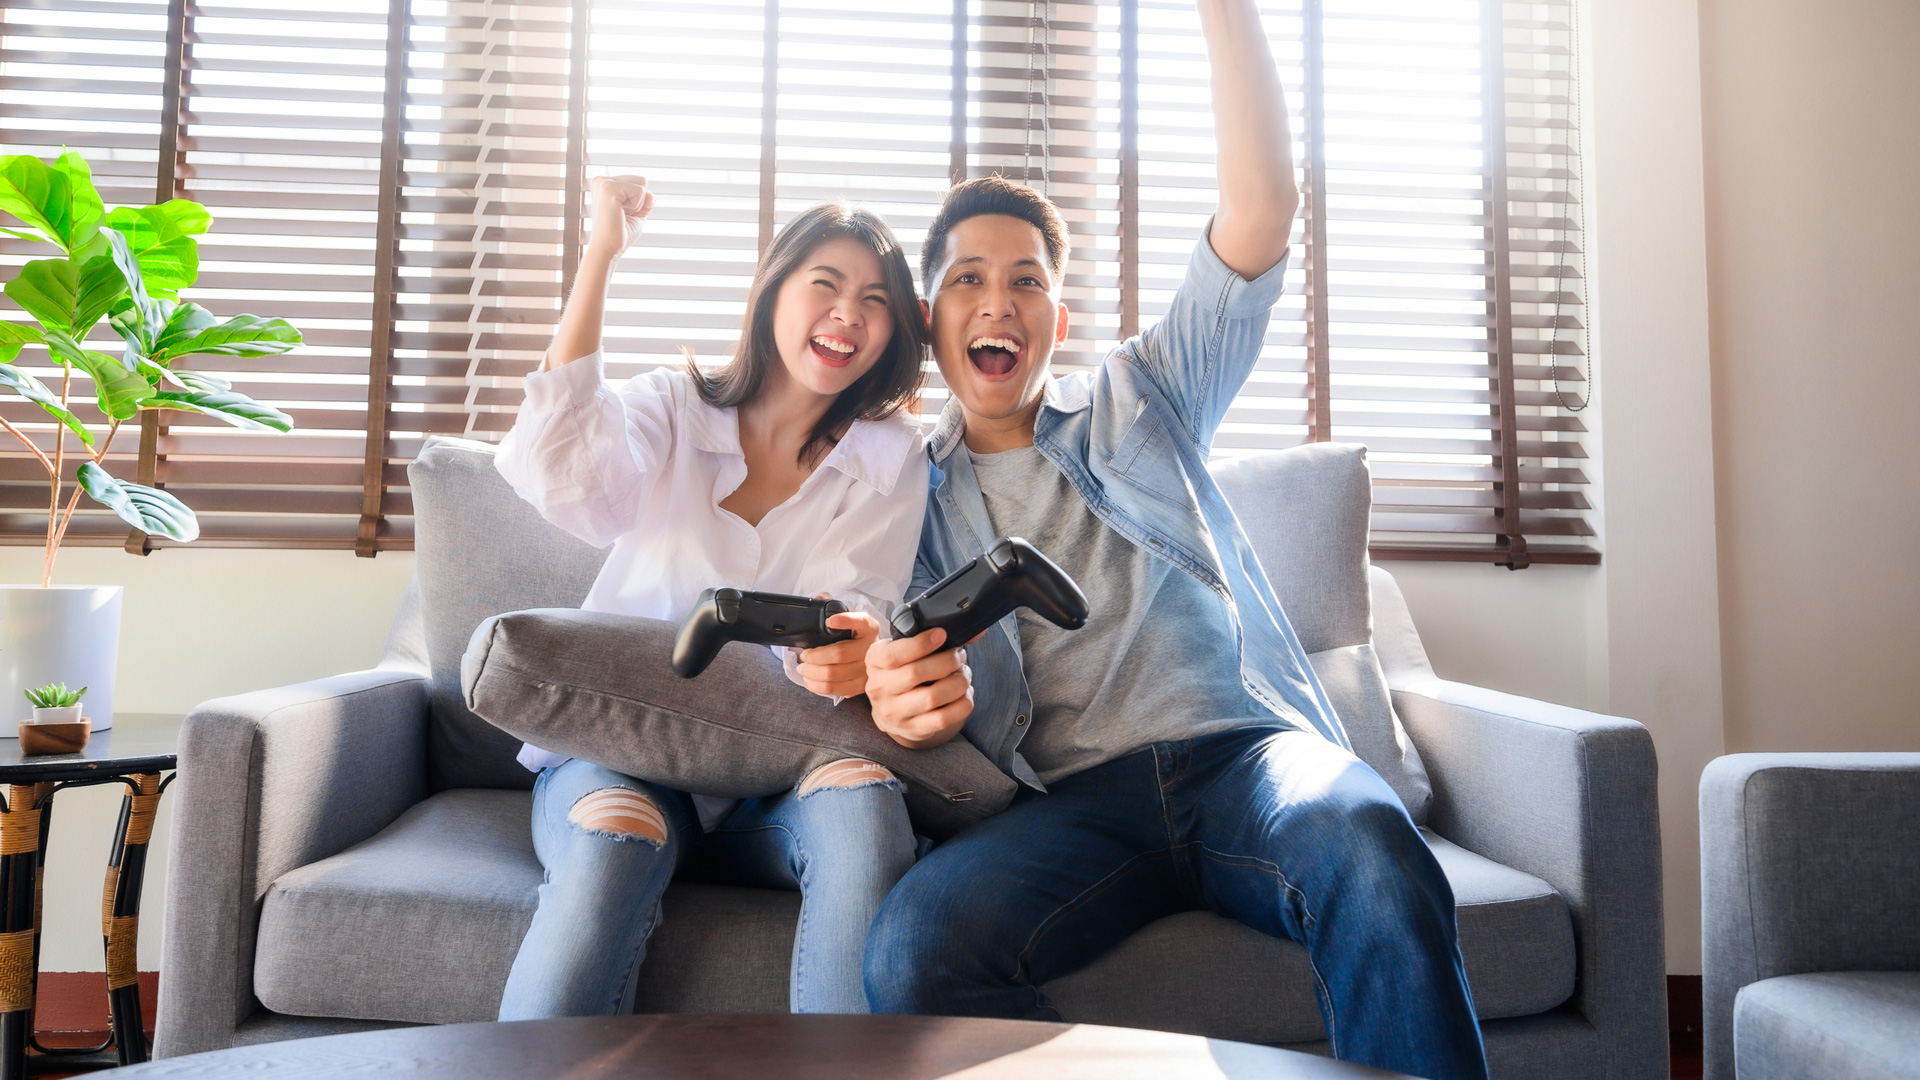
(1810, 897)
(355, 852)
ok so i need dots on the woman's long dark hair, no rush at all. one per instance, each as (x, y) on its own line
(894, 379)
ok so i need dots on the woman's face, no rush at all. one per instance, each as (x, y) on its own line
(831, 321)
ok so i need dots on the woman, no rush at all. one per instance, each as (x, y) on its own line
(796, 469)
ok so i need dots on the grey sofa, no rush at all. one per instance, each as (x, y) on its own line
(1810, 897)
(354, 852)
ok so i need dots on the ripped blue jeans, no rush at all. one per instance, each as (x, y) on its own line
(842, 847)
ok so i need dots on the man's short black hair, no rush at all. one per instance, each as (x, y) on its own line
(994, 195)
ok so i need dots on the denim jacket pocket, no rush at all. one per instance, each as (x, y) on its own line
(1147, 460)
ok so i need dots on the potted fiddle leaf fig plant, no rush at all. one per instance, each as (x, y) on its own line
(126, 267)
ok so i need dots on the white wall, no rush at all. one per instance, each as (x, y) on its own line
(1813, 198)
(1649, 281)
(197, 624)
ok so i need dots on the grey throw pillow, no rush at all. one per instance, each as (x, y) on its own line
(1358, 689)
(598, 686)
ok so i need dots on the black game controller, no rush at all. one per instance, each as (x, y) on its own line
(757, 618)
(1012, 574)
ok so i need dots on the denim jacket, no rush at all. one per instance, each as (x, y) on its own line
(1132, 437)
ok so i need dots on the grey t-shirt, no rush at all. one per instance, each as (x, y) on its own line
(1156, 661)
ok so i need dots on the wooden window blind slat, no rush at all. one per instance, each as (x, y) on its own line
(407, 193)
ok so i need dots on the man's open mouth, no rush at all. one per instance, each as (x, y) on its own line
(994, 355)
(832, 351)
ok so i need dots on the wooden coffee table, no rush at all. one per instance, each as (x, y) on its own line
(686, 1046)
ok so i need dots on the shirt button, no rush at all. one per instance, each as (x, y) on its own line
(1020, 721)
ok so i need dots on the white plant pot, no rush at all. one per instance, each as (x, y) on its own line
(62, 633)
(59, 714)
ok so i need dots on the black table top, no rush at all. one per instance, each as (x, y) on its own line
(136, 743)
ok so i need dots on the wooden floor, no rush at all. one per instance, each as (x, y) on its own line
(1686, 1056)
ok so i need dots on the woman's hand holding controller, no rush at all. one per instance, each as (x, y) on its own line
(840, 669)
(922, 694)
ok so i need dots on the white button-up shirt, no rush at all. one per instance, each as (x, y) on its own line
(643, 467)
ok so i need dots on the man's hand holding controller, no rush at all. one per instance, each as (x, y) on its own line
(922, 691)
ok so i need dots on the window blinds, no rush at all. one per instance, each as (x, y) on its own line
(399, 178)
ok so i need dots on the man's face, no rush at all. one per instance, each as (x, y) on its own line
(995, 317)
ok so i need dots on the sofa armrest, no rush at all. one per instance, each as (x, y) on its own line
(271, 781)
(1567, 796)
(1808, 862)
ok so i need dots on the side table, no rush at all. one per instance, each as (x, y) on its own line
(135, 751)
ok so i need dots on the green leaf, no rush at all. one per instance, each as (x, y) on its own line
(14, 335)
(67, 295)
(33, 192)
(162, 240)
(59, 200)
(194, 331)
(101, 286)
(23, 235)
(47, 289)
(237, 409)
(37, 392)
(87, 209)
(120, 392)
(148, 509)
(185, 380)
(152, 315)
(199, 380)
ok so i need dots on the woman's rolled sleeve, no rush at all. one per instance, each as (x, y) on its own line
(585, 455)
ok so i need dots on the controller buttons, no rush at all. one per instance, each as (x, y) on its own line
(1020, 721)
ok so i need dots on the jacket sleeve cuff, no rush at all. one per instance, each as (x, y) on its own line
(1232, 296)
(567, 386)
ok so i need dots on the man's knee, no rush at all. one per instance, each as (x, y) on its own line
(620, 813)
(900, 958)
(846, 773)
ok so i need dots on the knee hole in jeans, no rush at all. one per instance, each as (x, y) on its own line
(845, 773)
(620, 814)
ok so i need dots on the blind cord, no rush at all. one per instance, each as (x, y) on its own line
(1575, 204)
(1039, 16)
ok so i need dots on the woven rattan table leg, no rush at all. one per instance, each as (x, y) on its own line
(20, 834)
(120, 913)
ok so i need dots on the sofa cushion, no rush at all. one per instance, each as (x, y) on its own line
(480, 550)
(1358, 689)
(1306, 511)
(600, 687)
(1203, 974)
(1858, 1025)
(421, 923)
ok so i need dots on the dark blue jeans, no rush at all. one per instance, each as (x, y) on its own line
(1279, 829)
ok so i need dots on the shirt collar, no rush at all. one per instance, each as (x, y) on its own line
(1056, 395)
(872, 451)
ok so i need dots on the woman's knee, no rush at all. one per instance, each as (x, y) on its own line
(847, 774)
(621, 814)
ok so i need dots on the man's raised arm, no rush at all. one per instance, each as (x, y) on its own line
(1258, 195)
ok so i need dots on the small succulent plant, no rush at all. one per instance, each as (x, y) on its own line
(55, 696)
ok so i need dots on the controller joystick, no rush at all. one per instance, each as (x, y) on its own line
(757, 618)
(1011, 574)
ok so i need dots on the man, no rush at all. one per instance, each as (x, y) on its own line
(1188, 757)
